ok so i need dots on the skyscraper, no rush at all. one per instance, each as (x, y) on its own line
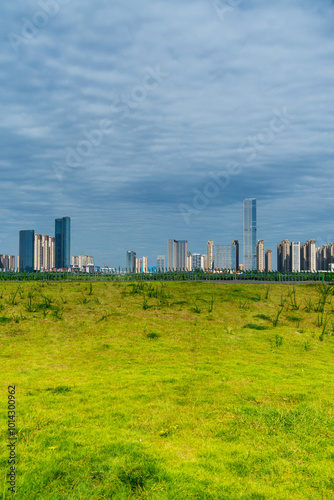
(260, 255)
(308, 256)
(26, 250)
(269, 260)
(130, 261)
(250, 233)
(295, 256)
(223, 257)
(210, 249)
(235, 255)
(177, 254)
(161, 263)
(63, 242)
(283, 256)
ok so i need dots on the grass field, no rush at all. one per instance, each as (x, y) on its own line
(169, 391)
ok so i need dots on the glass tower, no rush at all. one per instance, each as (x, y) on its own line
(62, 242)
(26, 250)
(250, 234)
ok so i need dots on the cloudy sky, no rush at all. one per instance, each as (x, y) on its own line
(150, 120)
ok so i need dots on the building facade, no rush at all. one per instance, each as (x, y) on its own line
(26, 250)
(283, 256)
(196, 261)
(63, 242)
(260, 264)
(210, 253)
(308, 254)
(177, 254)
(7, 262)
(130, 261)
(235, 255)
(44, 253)
(325, 257)
(250, 234)
(269, 260)
(223, 257)
(295, 256)
(161, 263)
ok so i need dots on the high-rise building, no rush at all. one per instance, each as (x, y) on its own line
(130, 261)
(139, 265)
(223, 256)
(81, 261)
(145, 264)
(325, 257)
(210, 253)
(235, 255)
(308, 256)
(260, 256)
(250, 233)
(44, 253)
(26, 250)
(269, 260)
(295, 256)
(161, 263)
(203, 261)
(189, 261)
(63, 242)
(177, 254)
(283, 256)
(196, 261)
(7, 262)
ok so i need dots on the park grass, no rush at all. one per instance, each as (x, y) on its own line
(169, 391)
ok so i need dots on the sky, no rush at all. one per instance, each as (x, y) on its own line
(151, 120)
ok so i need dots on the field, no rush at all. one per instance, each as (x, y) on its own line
(208, 391)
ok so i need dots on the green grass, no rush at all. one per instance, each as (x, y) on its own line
(169, 390)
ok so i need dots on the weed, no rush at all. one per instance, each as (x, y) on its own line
(266, 294)
(211, 305)
(196, 309)
(278, 340)
(262, 316)
(253, 326)
(153, 335)
(275, 320)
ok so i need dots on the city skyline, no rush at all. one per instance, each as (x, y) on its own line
(196, 123)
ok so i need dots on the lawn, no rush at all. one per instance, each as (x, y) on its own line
(168, 390)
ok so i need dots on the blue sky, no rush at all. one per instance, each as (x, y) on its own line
(121, 115)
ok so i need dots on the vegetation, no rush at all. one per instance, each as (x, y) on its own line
(174, 391)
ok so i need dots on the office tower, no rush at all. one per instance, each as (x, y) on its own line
(130, 261)
(235, 255)
(62, 242)
(177, 254)
(308, 256)
(210, 252)
(250, 234)
(26, 250)
(295, 256)
(223, 256)
(44, 253)
(196, 261)
(139, 265)
(260, 256)
(7, 262)
(203, 261)
(145, 264)
(161, 263)
(269, 260)
(283, 256)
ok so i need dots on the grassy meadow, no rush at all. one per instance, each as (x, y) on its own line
(208, 391)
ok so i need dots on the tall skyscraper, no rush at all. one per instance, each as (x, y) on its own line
(177, 254)
(250, 234)
(7, 262)
(260, 255)
(196, 261)
(269, 260)
(130, 261)
(26, 250)
(210, 254)
(295, 256)
(63, 242)
(283, 256)
(235, 255)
